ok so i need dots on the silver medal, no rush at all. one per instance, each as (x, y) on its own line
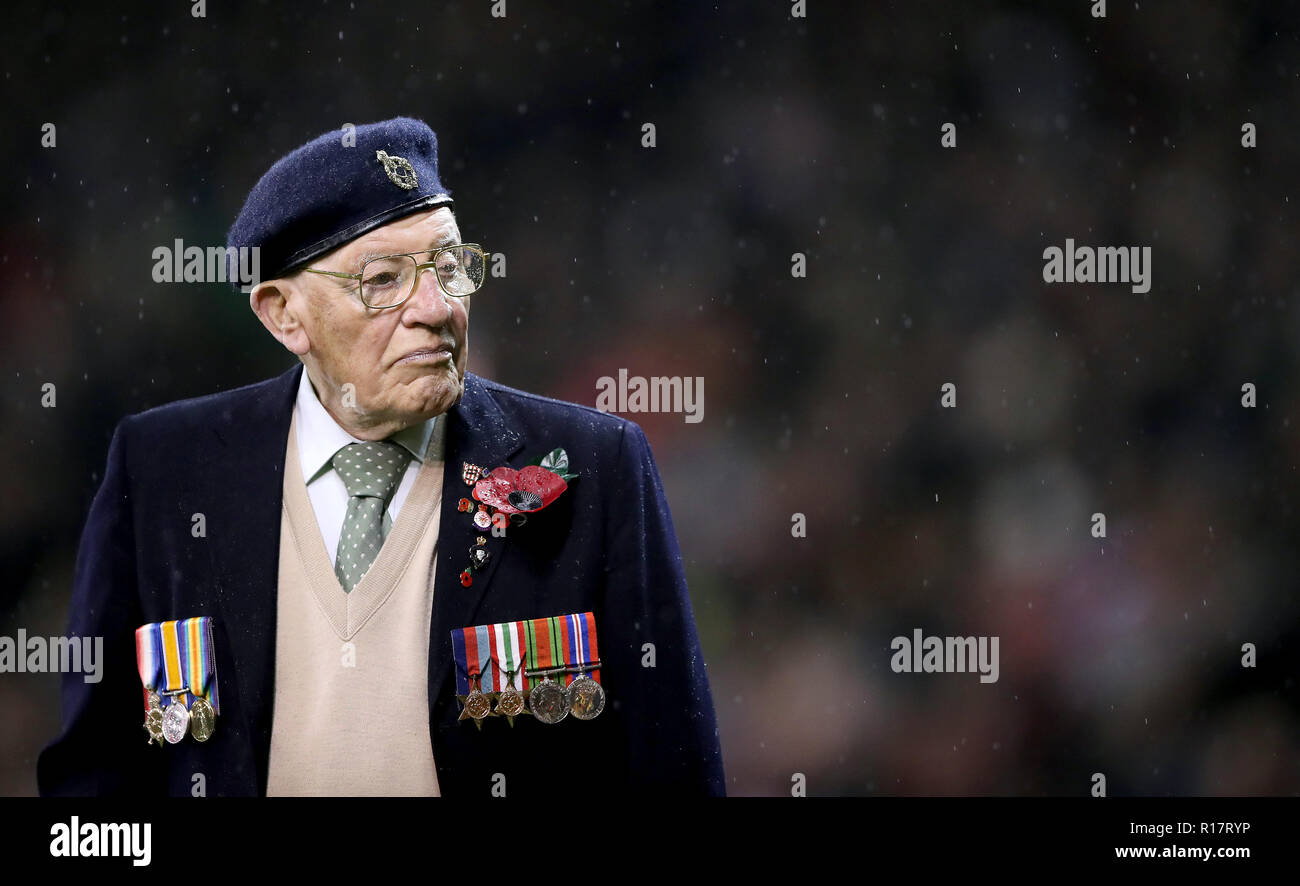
(549, 701)
(176, 721)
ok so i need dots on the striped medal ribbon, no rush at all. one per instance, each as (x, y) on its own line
(472, 650)
(201, 664)
(176, 716)
(508, 652)
(586, 695)
(148, 661)
(547, 699)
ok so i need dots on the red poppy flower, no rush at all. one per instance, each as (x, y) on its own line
(466, 578)
(520, 492)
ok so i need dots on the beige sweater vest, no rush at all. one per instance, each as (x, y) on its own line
(351, 714)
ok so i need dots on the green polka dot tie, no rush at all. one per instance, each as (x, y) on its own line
(371, 472)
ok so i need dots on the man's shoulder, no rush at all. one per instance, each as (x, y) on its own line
(237, 407)
(526, 401)
(533, 414)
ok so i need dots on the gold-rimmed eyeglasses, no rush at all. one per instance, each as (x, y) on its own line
(387, 281)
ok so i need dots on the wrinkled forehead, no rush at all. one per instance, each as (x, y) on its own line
(413, 233)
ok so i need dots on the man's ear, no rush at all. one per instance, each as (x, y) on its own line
(270, 301)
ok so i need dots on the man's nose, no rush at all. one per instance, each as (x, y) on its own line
(428, 304)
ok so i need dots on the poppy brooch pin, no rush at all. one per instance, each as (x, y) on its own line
(506, 496)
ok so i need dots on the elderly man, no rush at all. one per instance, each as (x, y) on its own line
(379, 573)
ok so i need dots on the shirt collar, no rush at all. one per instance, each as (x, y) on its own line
(320, 436)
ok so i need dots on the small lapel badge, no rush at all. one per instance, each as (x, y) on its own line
(398, 169)
(177, 664)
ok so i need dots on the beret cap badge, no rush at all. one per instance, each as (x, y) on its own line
(398, 169)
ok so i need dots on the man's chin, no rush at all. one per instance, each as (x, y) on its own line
(435, 393)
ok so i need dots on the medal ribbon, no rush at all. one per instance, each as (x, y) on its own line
(174, 657)
(509, 651)
(466, 647)
(201, 659)
(589, 623)
(545, 648)
(581, 632)
(148, 658)
(483, 644)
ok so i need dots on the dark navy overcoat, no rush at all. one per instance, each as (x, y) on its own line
(606, 545)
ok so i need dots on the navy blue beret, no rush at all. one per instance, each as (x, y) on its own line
(337, 187)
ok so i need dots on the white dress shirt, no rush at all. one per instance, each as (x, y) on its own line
(319, 438)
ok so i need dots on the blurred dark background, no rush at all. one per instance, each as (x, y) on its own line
(775, 135)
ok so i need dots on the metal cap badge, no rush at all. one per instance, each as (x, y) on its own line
(398, 169)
